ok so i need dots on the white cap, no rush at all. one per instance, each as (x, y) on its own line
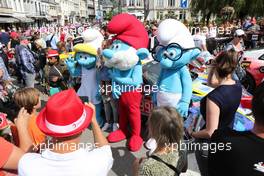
(93, 37)
(239, 32)
(173, 31)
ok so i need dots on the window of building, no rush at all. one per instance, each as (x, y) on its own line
(171, 3)
(182, 15)
(131, 2)
(160, 3)
(139, 2)
(3, 3)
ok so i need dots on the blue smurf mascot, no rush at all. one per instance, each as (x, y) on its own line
(84, 64)
(175, 50)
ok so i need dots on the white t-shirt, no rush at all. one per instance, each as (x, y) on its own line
(81, 162)
(199, 40)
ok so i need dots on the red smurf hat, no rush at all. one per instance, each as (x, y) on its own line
(64, 115)
(129, 30)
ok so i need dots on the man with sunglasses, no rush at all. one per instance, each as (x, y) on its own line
(237, 44)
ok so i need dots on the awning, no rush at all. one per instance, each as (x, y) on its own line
(49, 19)
(38, 17)
(24, 19)
(8, 20)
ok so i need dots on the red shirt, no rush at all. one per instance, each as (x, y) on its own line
(62, 37)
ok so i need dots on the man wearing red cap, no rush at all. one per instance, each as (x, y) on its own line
(64, 118)
(124, 58)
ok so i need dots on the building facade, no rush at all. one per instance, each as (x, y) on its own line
(45, 12)
(159, 9)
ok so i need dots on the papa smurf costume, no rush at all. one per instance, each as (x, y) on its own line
(83, 64)
(124, 56)
(175, 51)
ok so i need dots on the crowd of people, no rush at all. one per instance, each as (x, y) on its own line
(32, 65)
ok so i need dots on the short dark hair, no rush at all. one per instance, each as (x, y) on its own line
(226, 63)
(258, 104)
(165, 126)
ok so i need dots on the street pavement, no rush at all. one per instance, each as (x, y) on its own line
(123, 158)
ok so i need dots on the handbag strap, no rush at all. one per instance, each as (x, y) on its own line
(51, 38)
(58, 71)
(168, 165)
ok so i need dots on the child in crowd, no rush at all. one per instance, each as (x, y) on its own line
(55, 73)
(29, 98)
(166, 128)
(110, 104)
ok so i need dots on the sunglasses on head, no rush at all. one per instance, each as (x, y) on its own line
(239, 36)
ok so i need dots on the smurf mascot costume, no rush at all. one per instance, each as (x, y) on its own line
(124, 57)
(83, 64)
(175, 50)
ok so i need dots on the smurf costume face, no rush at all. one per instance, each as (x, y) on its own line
(86, 60)
(121, 56)
(176, 47)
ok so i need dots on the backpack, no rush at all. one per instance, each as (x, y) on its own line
(48, 42)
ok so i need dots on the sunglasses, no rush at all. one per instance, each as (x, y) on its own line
(173, 51)
(240, 36)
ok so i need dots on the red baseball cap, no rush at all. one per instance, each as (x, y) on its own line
(64, 115)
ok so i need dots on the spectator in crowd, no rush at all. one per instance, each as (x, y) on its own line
(12, 44)
(29, 98)
(199, 39)
(25, 62)
(41, 52)
(166, 127)
(253, 34)
(218, 108)
(61, 47)
(4, 37)
(35, 36)
(3, 55)
(153, 41)
(69, 44)
(237, 43)
(10, 154)
(7, 90)
(62, 35)
(55, 73)
(247, 23)
(110, 104)
(67, 155)
(52, 40)
(245, 151)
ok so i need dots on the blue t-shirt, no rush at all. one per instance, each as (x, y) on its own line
(227, 98)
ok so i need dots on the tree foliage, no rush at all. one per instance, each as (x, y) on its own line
(242, 7)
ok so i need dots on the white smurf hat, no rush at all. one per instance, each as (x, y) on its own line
(93, 37)
(173, 31)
